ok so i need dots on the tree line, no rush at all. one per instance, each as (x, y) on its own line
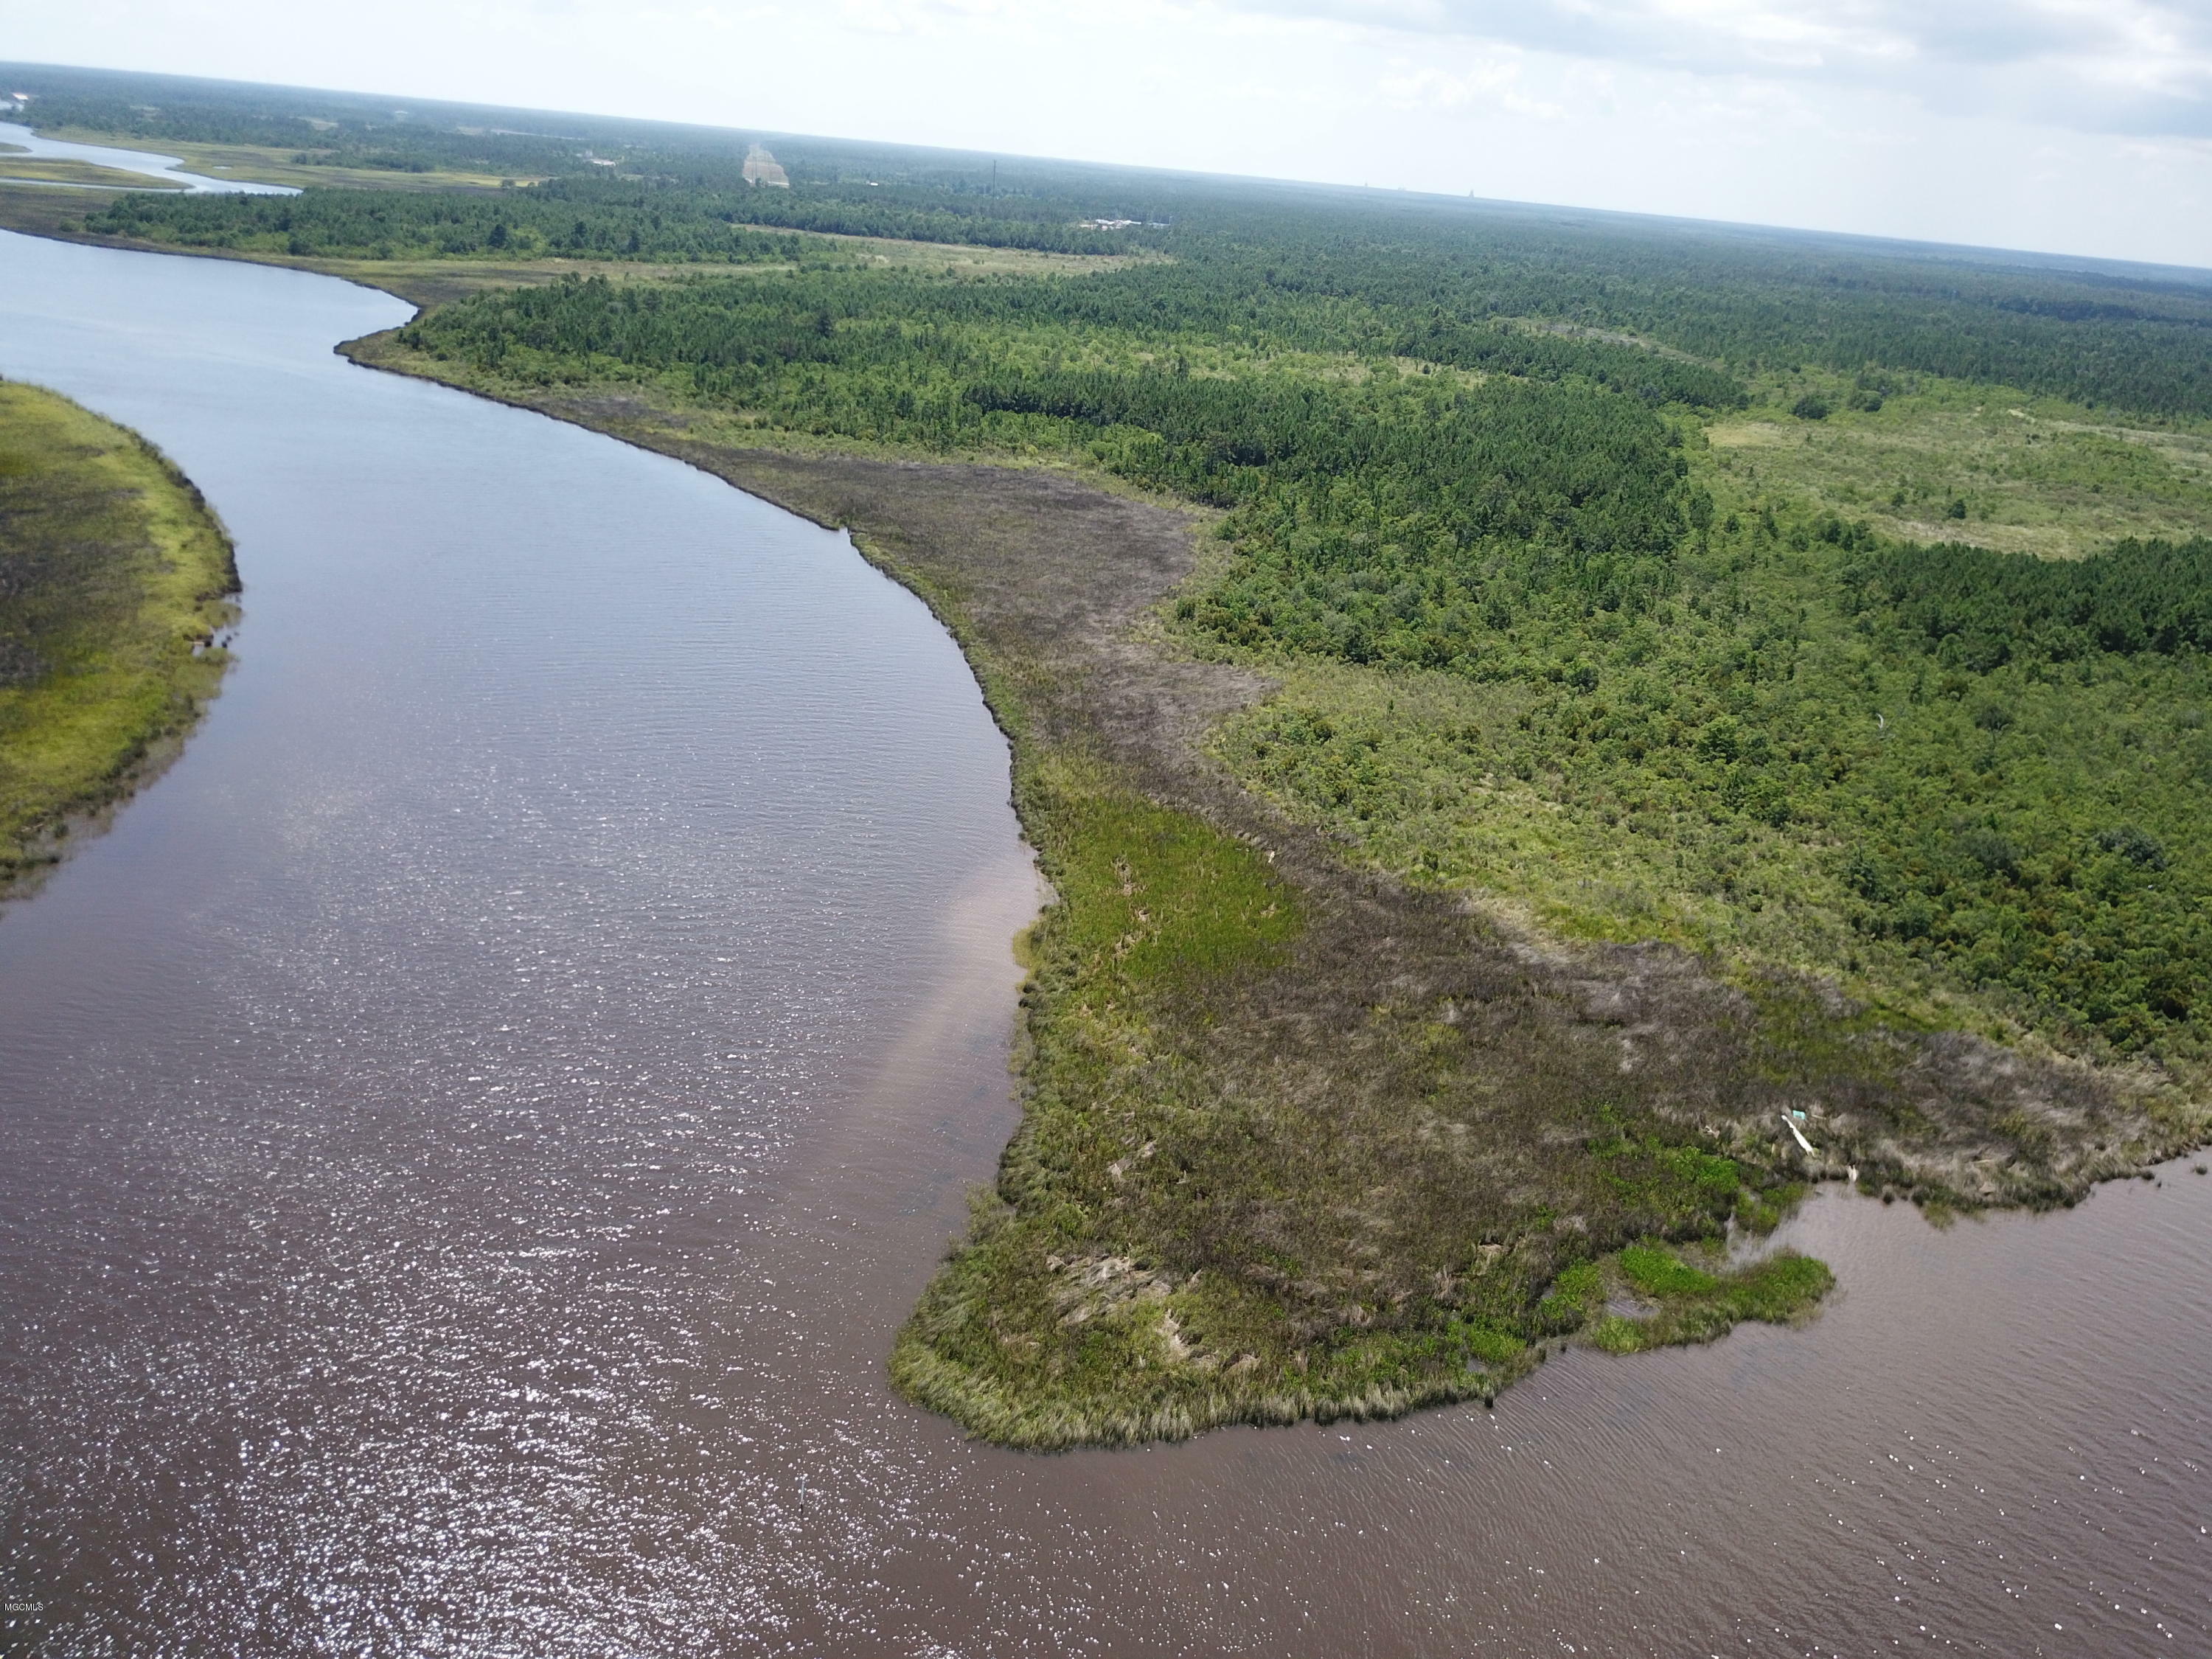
(1981, 610)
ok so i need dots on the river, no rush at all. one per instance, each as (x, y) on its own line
(168, 168)
(470, 1129)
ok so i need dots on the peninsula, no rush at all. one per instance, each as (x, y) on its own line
(1548, 734)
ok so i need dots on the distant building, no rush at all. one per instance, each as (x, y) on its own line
(1108, 224)
(763, 168)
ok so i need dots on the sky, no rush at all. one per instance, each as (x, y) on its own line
(2071, 126)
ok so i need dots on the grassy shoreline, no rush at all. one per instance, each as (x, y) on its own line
(1301, 1139)
(119, 579)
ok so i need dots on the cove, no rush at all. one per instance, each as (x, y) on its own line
(469, 1132)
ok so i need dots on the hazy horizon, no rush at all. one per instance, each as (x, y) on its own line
(404, 98)
(2051, 126)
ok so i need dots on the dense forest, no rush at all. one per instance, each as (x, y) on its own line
(1415, 279)
(596, 215)
(506, 224)
(1681, 657)
(1982, 609)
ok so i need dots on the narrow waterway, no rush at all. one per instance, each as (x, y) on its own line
(470, 1131)
(168, 168)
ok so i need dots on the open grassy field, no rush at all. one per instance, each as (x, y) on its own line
(1990, 465)
(114, 580)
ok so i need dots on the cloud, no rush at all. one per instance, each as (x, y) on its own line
(2140, 67)
(1493, 83)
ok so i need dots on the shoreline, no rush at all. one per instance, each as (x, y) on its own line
(129, 683)
(1151, 753)
(1105, 714)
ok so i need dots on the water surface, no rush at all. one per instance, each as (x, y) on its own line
(469, 1131)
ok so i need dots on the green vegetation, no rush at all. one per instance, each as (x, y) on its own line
(1423, 278)
(1981, 610)
(1612, 713)
(68, 170)
(433, 280)
(1781, 764)
(1702, 695)
(269, 164)
(1049, 1329)
(569, 218)
(1159, 917)
(1990, 466)
(1076, 366)
(1689, 1304)
(114, 578)
(1540, 645)
(1427, 281)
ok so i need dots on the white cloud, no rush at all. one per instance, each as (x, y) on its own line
(2139, 66)
(1492, 83)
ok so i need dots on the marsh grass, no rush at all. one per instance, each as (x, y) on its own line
(114, 578)
(71, 170)
(1306, 1134)
(1690, 1304)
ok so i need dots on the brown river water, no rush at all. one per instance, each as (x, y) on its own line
(470, 1131)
